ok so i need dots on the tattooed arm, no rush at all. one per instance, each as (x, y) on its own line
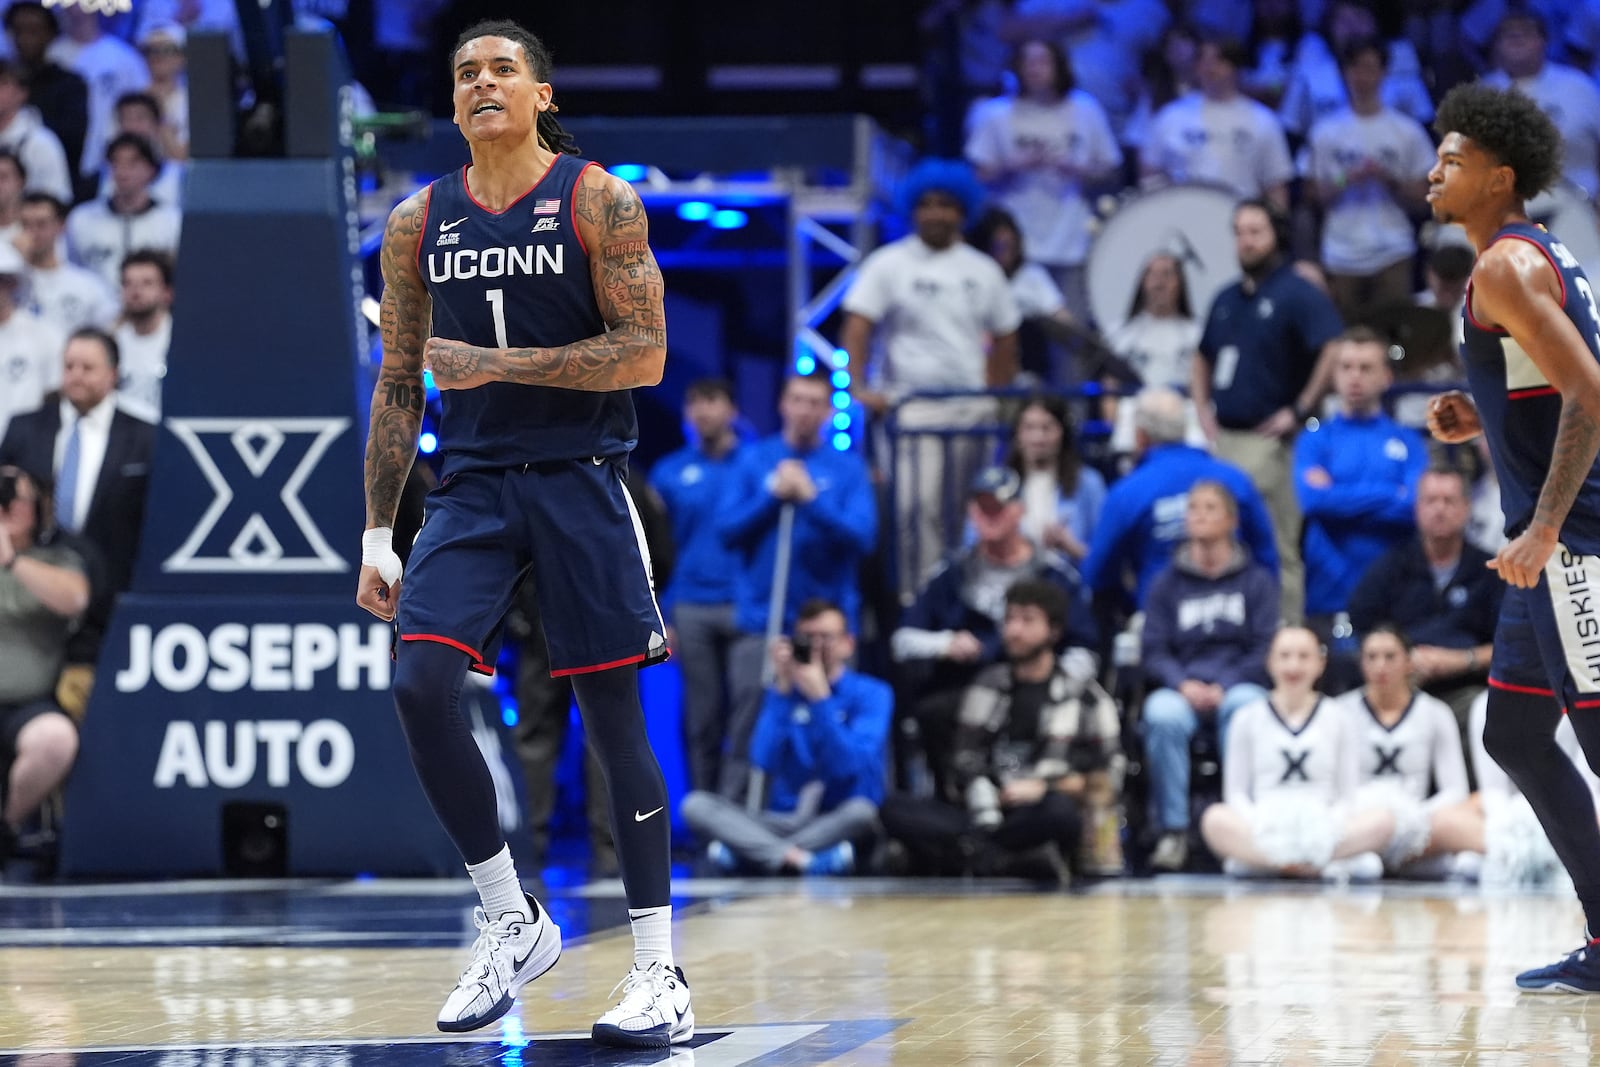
(1515, 286)
(627, 287)
(397, 400)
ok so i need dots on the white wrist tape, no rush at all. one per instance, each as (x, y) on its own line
(377, 550)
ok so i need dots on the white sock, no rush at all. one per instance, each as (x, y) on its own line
(496, 879)
(652, 936)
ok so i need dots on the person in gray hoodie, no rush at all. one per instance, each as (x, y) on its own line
(1209, 620)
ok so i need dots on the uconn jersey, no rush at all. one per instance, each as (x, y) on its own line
(1419, 756)
(517, 278)
(1268, 760)
(1519, 408)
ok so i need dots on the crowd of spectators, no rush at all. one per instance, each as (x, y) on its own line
(93, 144)
(1254, 556)
(1115, 551)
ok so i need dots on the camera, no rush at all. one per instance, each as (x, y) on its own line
(803, 649)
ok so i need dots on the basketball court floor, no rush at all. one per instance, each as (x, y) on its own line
(1187, 971)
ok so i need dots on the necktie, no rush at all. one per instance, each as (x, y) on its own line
(67, 481)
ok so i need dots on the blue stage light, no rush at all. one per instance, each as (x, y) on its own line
(428, 442)
(804, 364)
(728, 219)
(508, 711)
(841, 400)
(841, 358)
(841, 421)
(629, 172)
(841, 379)
(841, 442)
(695, 210)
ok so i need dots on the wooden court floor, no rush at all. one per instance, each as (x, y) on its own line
(1192, 971)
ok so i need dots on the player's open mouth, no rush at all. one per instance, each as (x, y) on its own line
(487, 106)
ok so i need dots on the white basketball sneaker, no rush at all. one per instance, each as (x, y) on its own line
(654, 1011)
(510, 952)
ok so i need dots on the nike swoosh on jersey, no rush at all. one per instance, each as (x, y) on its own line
(445, 227)
(641, 818)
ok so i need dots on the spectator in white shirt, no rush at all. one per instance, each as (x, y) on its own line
(1317, 89)
(145, 332)
(24, 133)
(1037, 151)
(162, 48)
(63, 294)
(1157, 342)
(944, 318)
(102, 232)
(1046, 322)
(1369, 169)
(30, 351)
(110, 67)
(1218, 136)
(140, 113)
(1568, 96)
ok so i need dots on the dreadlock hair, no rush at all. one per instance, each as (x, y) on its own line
(1510, 127)
(552, 136)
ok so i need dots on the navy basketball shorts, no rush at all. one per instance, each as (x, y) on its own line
(1547, 641)
(568, 526)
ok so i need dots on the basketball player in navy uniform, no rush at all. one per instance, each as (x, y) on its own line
(525, 281)
(1532, 353)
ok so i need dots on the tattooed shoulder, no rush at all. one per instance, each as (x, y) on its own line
(403, 230)
(610, 206)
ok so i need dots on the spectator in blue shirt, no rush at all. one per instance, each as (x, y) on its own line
(699, 602)
(1261, 371)
(1356, 476)
(1142, 520)
(820, 742)
(835, 528)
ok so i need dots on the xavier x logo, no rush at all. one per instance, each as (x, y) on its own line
(1388, 760)
(1294, 766)
(266, 481)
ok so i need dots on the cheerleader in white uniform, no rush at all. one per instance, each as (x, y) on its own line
(1290, 777)
(1411, 762)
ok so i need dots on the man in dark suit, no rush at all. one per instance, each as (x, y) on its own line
(97, 457)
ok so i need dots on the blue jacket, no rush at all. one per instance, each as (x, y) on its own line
(691, 485)
(839, 741)
(1211, 629)
(1374, 464)
(1143, 518)
(831, 534)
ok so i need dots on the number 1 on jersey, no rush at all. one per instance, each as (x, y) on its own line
(497, 304)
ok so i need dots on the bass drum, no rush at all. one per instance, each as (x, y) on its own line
(1567, 213)
(1192, 222)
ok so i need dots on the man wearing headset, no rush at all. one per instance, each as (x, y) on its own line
(44, 588)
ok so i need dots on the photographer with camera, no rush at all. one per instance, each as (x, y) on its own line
(819, 740)
(1036, 747)
(43, 591)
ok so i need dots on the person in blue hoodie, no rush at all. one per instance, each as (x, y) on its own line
(699, 602)
(1142, 519)
(1209, 620)
(1355, 476)
(835, 528)
(820, 740)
